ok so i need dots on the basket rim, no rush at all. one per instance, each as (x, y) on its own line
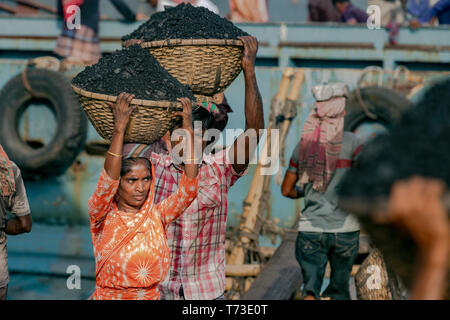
(188, 42)
(141, 102)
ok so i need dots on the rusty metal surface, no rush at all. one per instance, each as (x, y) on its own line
(327, 45)
(416, 47)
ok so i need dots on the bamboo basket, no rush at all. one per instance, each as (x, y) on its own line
(207, 66)
(199, 99)
(372, 279)
(148, 122)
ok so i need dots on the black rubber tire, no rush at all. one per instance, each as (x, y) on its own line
(388, 105)
(70, 136)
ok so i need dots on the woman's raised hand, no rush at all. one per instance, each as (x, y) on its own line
(186, 114)
(122, 110)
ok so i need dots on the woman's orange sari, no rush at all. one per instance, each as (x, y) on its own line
(131, 252)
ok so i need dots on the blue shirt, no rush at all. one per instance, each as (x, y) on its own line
(420, 10)
(441, 10)
(353, 12)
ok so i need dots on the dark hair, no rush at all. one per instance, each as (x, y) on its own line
(128, 163)
(200, 114)
(340, 1)
(203, 115)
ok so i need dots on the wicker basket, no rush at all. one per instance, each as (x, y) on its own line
(148, 123)
(372, 279)
(207, 66)
(199, 99)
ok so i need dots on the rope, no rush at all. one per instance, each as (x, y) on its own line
(364, 106)
(26, 83)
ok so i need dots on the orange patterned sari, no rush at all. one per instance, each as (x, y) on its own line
(131, 252)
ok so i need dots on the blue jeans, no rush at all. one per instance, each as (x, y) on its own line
(313, 251)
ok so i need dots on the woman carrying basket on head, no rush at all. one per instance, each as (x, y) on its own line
(128, 230)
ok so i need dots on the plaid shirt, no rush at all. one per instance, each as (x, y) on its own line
(197, 238)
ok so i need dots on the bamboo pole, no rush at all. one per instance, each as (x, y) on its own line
(253, 200)
(290, 104)
(242, 270)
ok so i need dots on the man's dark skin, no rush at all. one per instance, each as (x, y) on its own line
(254, 116)
(415, 207)
(18, 225)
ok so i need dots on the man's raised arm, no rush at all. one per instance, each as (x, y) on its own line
(254, 116)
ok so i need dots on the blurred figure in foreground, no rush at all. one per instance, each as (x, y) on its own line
(415, 206)
(411, 167)
(13, 198)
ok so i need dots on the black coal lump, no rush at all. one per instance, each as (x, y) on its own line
(133, 70)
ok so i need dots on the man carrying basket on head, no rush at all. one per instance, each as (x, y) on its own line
(197, 238)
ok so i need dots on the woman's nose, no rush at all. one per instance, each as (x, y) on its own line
(140, 187)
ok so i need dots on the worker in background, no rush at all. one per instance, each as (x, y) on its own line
(439, 12)
(417, 11)
(81, 44)
(248, 11)
(13, 198)
(319, 162)
(349, 13)
(322, 11)
(392, 11)
(146, 9)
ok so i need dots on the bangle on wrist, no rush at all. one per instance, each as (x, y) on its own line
(191, 161)
(114, 154)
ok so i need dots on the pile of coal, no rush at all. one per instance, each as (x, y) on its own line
(417, 145)
(185, 22)
(133, 70)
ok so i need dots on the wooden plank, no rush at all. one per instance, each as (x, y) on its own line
(242, 270)
(281, 276)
